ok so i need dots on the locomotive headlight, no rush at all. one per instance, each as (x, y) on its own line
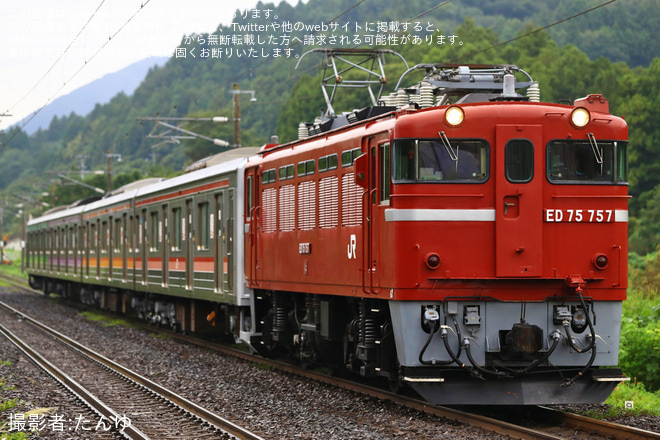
(454, 116)
(580, 117)
(600, 261)
(432, 261)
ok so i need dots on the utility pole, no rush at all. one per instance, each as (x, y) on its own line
(108, 185)
(236, 91)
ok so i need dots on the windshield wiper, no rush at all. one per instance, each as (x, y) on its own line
(453, 155)
(598, 153)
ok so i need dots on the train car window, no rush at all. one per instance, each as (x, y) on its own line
(286, 172)
(306, 168)
(268, 176)
(332, 162)
(203, 226)
(587, 161)
(519, 161)
(348, 156)
(327, 163)
(622, 161)
(441, 161)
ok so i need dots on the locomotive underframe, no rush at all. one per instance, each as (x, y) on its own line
(522, 350)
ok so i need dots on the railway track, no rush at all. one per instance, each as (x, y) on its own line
(125, 402)
(574, 426)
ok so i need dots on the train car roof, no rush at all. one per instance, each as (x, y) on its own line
(55, 214)
(218, 164)
(200, 174)
(112, 200)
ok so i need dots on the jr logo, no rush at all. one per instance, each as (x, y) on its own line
(351, 247)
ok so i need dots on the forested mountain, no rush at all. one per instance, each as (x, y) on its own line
(82, 100)
(608, 50)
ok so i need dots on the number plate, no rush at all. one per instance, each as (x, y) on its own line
(579, 216)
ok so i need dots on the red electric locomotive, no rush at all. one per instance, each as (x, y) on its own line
(470, 243)
(457, 238)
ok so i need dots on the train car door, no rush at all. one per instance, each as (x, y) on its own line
(375, 200)
(229, 240)
(252, 214)
(518, 208)
(220, 253)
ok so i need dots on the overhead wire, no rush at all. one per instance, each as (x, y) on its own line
(35, 113)
(61, 56)
(240, 74)
(535, 31)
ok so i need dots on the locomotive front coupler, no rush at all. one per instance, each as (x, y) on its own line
(577, 283)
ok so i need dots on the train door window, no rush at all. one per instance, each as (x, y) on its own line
(203, 225)
(384, 152)
(176, 229)
(519, 161)
(93, 235)
(72, 249)
(117, 235)
(153, 232)
(105, 237)
(249, 199)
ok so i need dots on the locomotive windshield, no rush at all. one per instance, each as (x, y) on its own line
(440, 160)
(591, 161)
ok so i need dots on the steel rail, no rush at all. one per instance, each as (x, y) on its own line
(74, 387)
(602, 427)
(189, 406)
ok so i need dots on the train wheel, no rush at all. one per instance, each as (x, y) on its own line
(395, 379)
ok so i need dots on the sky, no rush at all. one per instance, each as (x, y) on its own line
(50, 48)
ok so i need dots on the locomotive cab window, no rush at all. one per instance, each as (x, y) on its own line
(590, 161)
(440, 160)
